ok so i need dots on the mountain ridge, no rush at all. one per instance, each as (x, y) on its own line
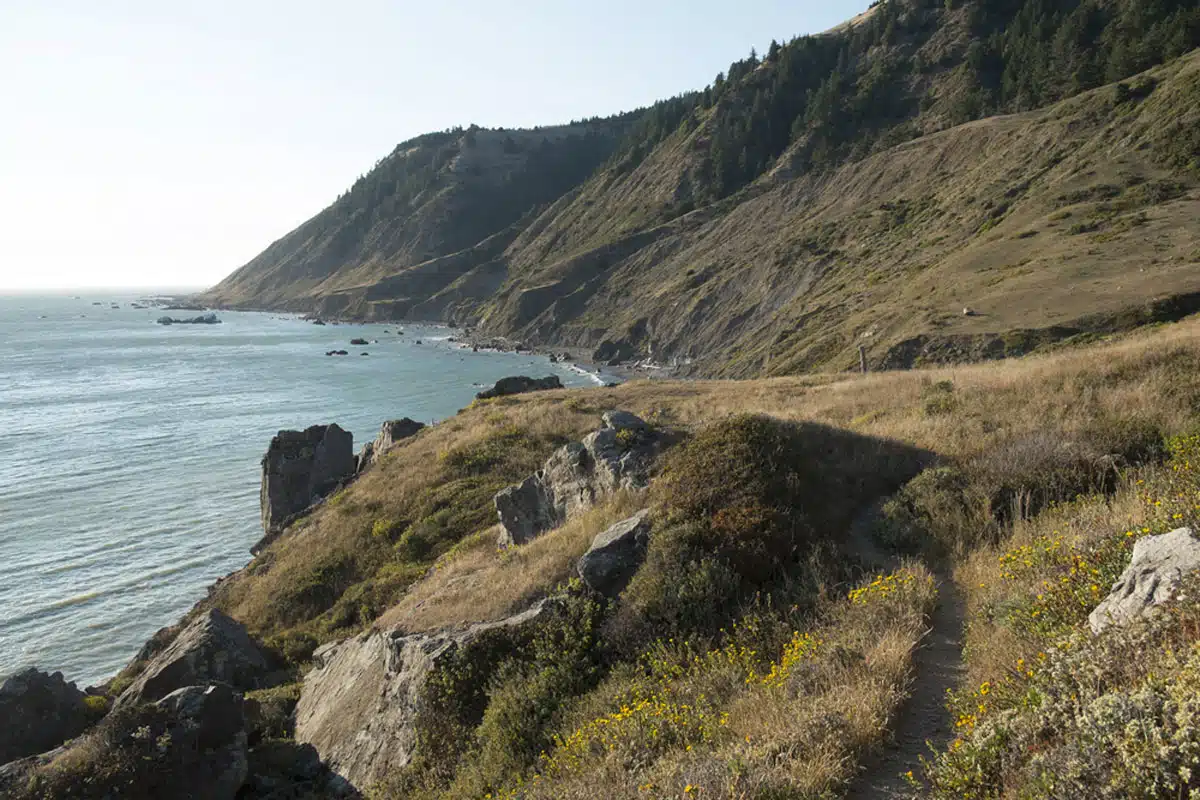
(649, 240)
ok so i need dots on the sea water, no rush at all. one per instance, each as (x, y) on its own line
(129, 453)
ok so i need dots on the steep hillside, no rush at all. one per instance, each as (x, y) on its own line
(853, 188)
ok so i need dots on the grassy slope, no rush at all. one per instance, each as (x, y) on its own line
(1008, 216)
(1018, 434)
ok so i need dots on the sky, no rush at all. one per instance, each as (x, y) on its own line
(165, 143)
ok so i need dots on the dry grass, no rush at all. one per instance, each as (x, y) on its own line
(478, 582)
(329, 575)
(795, 728)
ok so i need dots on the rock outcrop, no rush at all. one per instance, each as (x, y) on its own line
(1158, 566)
(616, 554)
(519, 384)
(618, 456)
(393, 431)
(39, 712)
(359, 705)
(300, 468)
(210, 726)
(203, 319)
(213, 648)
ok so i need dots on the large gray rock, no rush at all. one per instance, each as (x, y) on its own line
(300, 468)
(209, 724)
(39, 711)
(617, 456)
(393, 431)
(359, 704)
(525, 511)
(519, 384)
(1158, 566)
(616, 554)
(213, 648)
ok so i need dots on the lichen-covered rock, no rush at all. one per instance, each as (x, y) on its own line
(616, 554)
(359, 704)
(300, 468)
(1158, 566)
(524, 510)
(39, 712)
(519, 384)
(213, 648)
(617, 456)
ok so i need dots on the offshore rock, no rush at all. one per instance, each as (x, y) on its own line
(617, 456)
(520, 384)
(360, 703)
(300, 468)
(40, 711)
(1158, 566)
(213, 648)
(616, 554)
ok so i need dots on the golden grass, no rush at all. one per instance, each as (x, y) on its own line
(478, 582)
(800, 734)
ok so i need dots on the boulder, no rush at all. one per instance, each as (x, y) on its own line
(360, 702)
(209, 725)
(617, 456)
(40, 712)
(300, 468)
(1158, 566)
(519, 384)
(525, 511)
(616, 554)
(213, 648)
(359, 342)
(390, 433)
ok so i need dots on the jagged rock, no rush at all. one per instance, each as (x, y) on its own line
(300, 468)
(393, 431)
(617, 456)
(360, 702)
(358, 342)
(213, 648)
(1158, 566)
(203, 319)
(365, 457)
(519, 384)
(40, 711)
(616, 554)
(210, 726)
(525, 511)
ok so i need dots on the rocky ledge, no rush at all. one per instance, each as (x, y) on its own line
(203, 319)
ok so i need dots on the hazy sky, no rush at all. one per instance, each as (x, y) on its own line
(167, 142)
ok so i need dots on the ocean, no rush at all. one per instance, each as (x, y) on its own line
(129, 453)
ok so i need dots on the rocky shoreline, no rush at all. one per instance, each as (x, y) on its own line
(190, 683)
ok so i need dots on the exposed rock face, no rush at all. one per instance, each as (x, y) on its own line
(300, 468)
(39, 711)
(212, 649)
(519, 384)
(393, 431)
(360, 703)
(617, 456)
(210, 725)
(616, 554)
(1159, 565)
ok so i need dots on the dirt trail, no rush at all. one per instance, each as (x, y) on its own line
(923, 718)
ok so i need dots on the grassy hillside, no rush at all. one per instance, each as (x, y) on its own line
(861, 187)
(807, 528)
